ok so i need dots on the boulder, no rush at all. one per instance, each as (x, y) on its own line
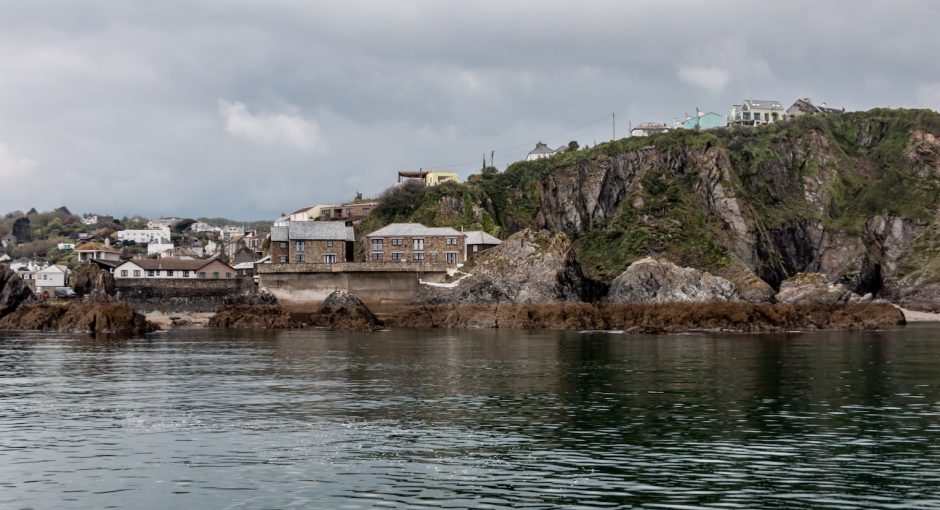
(649, 280)
(92, 281)
(813, 289)
(91, 318)
(344, 311)
(13, 291)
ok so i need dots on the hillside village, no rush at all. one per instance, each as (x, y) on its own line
(44, 248)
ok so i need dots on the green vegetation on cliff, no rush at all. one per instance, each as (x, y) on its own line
(764, 197)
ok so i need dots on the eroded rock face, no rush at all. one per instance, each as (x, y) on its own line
(529, 267)
(13, 291)
(813, 289)
(650, 280)
(346, 312)
(90, 280)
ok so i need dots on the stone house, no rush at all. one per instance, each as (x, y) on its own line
(175, 268)
(754, 112)
(479, 241)
(416, 243)
(311, 242)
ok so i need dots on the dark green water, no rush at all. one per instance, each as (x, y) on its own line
(315, 419)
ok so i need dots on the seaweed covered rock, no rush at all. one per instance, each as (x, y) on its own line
(344, 311)
(91, 318)
(649, 280)
(251, 317)
(13, 291)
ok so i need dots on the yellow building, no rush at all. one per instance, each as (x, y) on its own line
(429, 177)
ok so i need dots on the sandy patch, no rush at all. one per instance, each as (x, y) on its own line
(184, 320)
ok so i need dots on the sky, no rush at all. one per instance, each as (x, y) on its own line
(248, 108)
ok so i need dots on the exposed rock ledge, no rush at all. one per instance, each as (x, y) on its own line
(812, 288)
(654, 318)
(649, 280)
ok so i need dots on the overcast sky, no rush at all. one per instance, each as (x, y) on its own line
(246, 108)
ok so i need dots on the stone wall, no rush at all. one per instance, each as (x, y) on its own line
(168, 296)
(383, 287)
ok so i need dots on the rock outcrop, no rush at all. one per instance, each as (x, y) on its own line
(13, 291)
(649, 280)
(93, 282)
(93, 318)
(251, 317)
(344, 311)
(813, 289)
(529, 267)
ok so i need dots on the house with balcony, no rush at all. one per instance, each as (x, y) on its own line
(427, 177)
(311, 242)
(416, 243)
(88, 252)
(756, 112)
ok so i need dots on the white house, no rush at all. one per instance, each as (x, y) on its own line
(201, 226)
(160, 245)
(175, 268)
(51, 277)
(648, 128)
(232, 231)
(90, 220)
(144, 236)
(754, 112)
(210, 248)
(540, 151)
(162, 223)
(65, 246)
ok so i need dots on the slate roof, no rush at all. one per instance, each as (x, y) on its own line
(541, 148)
(169, 264)
(414, 229)
(279, 233)
(762, 103)
(480, 237)
(318, 231)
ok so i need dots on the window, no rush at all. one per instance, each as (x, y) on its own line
(149, 273)
(329, 244)
(377, 257)
(452, 240)
(185, 274)
(397, 256)
(299, 246)
(365, 210)
(377, 244)
(299, 257)
(282, 259)
(169, 272)
(137, 273)
(766, 117)
(418, 256)
(417, 244)
(475, 248)
(747, 115)
(124, 272)
(329, 259)
(397, 242)
(434, 256)
(228, 274)
(202, 275)
(451, 258)
(283, 244)
(215, 275)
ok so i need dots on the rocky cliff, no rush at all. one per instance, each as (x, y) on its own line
(854, 197)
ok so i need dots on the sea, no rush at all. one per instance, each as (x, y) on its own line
(209, 419)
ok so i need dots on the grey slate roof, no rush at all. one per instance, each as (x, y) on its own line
(480, 237)
(317, 230)
(541, 148)
(279, 233)
(413, 230)
(762, 103)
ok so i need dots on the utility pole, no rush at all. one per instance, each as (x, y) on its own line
(613, 122)
(491, 158)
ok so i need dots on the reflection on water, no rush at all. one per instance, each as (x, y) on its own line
(301, 419)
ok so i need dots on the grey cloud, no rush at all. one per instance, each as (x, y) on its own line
(115, 105)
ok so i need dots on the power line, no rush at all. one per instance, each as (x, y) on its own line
(529, 144)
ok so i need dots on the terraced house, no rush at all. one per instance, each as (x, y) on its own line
(311, 242)
(415, 243)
